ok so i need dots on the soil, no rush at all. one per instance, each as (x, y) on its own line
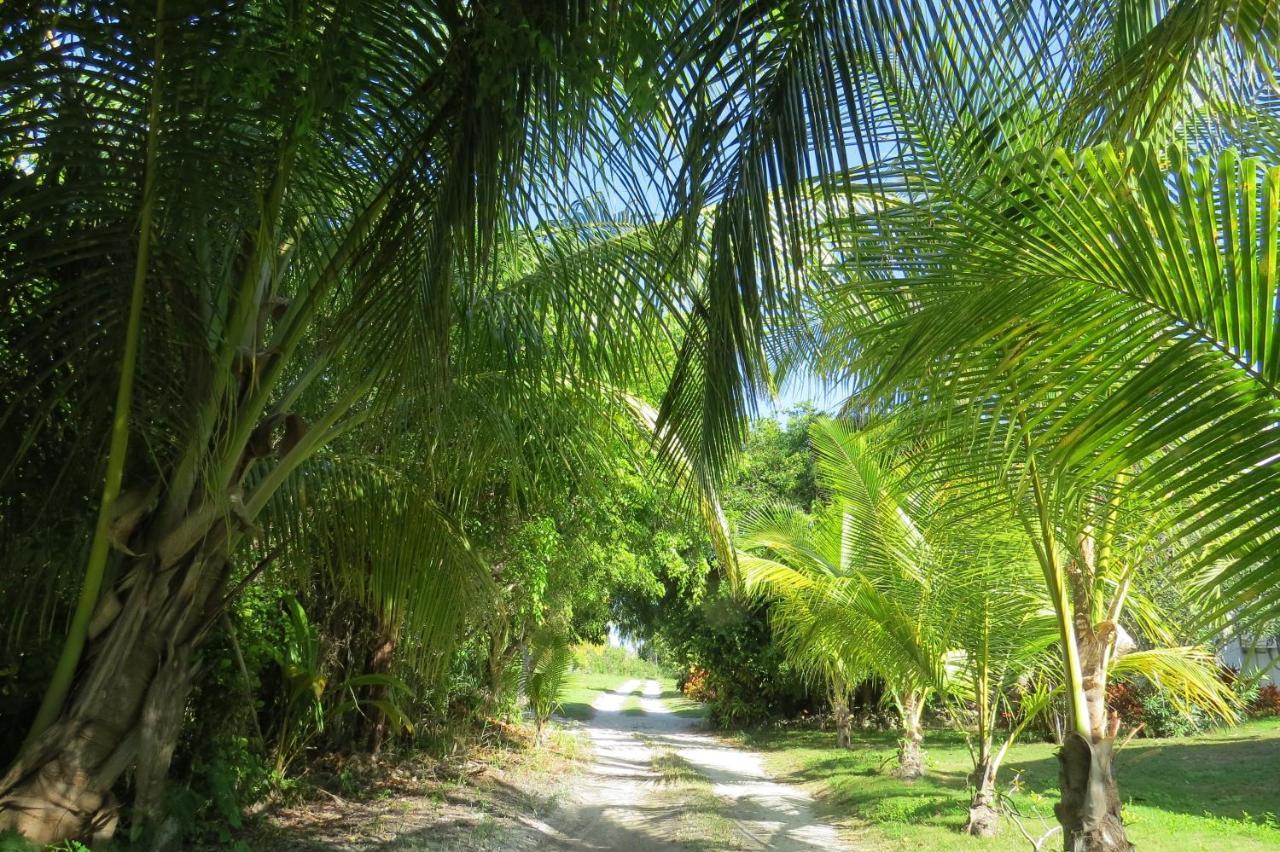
(654, 781)
(621, 803)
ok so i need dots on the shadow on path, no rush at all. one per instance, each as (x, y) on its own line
(621, 804)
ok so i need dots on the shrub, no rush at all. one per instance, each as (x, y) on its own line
(1245, 690)
(1266, 702)
(1165, 720)
(610, 659)
(1138, 702)
(696, 684)
(745, 675)
(1125, 700)
(549, 658)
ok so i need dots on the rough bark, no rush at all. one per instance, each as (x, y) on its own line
(1090, 808)
(910, 746)
(910, 756)
(844, 723)
(379, 663)
(501, 653)
(984, 818)
(127, 708)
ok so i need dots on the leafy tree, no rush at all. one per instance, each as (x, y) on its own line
(239, 243)
(776, 465)
(691, 611)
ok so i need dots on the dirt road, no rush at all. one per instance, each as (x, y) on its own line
(658, 782)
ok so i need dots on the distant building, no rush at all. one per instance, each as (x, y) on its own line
(1252, 655)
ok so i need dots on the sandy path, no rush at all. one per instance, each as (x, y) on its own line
(620, 802)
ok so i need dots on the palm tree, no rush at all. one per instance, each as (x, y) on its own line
(1093, 301)
(1005, 638)
(841, 625)
(544, 675)
(1091, 400)
(919, 577)
(1093, 541)
(234, 236)
(1001, 634)
(856, 586)
(294, 205)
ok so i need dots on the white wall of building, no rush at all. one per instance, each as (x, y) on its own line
(1250, 656)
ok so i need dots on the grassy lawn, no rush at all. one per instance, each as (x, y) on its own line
(583, 688)
(1217, 791)
(676, 702)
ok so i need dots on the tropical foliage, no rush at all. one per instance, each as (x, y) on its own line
(351, 350)
(891, 583)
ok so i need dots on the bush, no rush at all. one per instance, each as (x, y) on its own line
(1125, 700)
(1266, 702)
(696, 684)
(1165, 720)
(1242, 688)
(1259, 701)
(220, 766)
(734, 664)
(609, 659)
(1138, 702)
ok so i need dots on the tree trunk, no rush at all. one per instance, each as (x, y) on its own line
(911, 756)
(501, 653)
(1090, 806)
(910, 747)
(984, 818)
(504, 646)
(380, 663)
(127, 708)
(843, 719)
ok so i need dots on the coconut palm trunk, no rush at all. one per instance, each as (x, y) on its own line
(984, 818)
(1089, 810)
(128, 705)
(984, 813)
(842, 717)
(911, 744)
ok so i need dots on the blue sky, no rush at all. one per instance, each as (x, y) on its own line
(805, 388)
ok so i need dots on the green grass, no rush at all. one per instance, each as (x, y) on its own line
(685, 810)
(583, 688)
(675, 701)
(1215, 791)
(612, 660)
